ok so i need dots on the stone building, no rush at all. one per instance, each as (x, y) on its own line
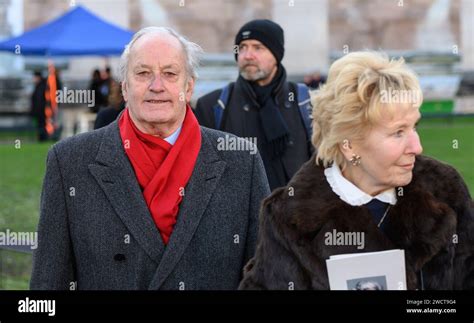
(316, 31)
(313, 28)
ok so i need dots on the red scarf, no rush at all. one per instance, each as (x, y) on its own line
(162, 169)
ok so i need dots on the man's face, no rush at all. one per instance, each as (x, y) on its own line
(156, 87)
(256, 62)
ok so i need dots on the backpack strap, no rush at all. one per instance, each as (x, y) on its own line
(304, 106)
(221, 104)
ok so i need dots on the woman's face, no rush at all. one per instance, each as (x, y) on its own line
(387, 153)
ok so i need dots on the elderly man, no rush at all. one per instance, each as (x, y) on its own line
(261, 104)
(149, 202)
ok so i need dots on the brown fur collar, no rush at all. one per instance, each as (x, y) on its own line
(422, 222)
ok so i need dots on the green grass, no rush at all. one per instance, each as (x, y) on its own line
(21, 176)
(9, 136)
(15, 270)
(439, 138)
(22, 171)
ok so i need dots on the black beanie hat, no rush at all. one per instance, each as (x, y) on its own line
(267, 32)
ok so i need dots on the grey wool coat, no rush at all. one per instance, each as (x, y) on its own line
(96, 232)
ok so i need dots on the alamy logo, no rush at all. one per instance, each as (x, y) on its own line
(400, 96)
(336, 238)
(76, 96)
(11, 238)
(37, 306)
(232, 143)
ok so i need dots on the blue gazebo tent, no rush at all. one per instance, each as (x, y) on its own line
(78, 32)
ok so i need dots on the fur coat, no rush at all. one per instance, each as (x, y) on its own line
(433, 221)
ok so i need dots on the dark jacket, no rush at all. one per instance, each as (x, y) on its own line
(433, 222)
(38, 102)
(95, 227)
(241, 119)
(95, 86)
(106, 116)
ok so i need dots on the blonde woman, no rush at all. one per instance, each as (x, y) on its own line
(369, 177)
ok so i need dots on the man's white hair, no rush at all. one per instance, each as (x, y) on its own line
(192, 51)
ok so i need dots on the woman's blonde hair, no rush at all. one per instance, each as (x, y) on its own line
(350, 102)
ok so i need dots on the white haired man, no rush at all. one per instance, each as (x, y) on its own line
(149, 202)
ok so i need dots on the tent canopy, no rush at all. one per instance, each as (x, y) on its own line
(78, 32)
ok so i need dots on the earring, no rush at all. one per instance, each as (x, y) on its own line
(355, 160)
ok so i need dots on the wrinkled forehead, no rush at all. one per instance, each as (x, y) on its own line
(157, 48)
(388, 104)
(390, 114)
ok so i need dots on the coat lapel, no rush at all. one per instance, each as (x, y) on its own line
(114, 174)
(198, 192)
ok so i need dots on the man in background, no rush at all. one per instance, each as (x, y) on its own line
(262, 104)
(38, 105)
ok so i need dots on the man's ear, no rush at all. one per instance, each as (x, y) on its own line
(125, 90)
(189, 89)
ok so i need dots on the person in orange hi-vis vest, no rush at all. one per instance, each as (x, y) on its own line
(51, 103)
